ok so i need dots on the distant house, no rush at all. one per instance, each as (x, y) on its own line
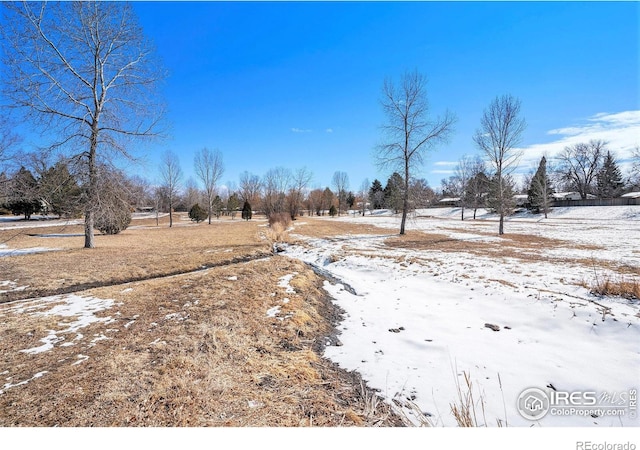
(521, 200)
(570, 196)
(449, 201)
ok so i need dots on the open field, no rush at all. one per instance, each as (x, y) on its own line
(236, 344)
(203, 325)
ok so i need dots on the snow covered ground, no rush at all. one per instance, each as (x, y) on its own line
(420, 319)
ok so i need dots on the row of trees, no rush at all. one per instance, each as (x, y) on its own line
(589, 169)
(85, 76)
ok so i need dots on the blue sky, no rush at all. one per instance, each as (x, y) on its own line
(298, 84)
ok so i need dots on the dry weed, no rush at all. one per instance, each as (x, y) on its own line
(616, 286)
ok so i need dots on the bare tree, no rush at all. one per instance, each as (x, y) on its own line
(420, 193)
(501, 129)
(340, 182)
(209, 168)
(364, 194)
(250, 187)
(410, 132)
(171, 178)
(579, 165)
(477, 187)
(192, 193)
(299, 182)
(634, 178)
(84, 71)
(8, 140)
(275, 182)
(462, 176)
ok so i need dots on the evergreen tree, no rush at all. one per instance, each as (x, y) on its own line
(333, 211)
(351, 199)
(233, 203)
(394, 192)
(23, 196)
(217, 206)
(540, 190)
(61, 191)
(246, 211)
(376, 195)
(609, 178)
(197, 213)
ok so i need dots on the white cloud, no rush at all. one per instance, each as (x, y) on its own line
(621, 130)
(443, 172)
(300, 130)
(445, 163)
(329, 130)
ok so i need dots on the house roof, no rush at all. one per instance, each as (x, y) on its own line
(631, 195)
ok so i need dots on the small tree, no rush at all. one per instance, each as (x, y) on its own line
(394, 192)
(500, 131)
(246, 211)
(233, 203)
(197, 213)
(409, 132)
(23, 196)
(540, 189)
(333, 211)
(209, 168)
(217, 206)
(340, 182)
(171, 177)
(376, 195)
(477, 187)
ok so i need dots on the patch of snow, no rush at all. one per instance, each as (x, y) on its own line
(81, 359)
(25, 251)
(8, 386)
(273, 312)
(284, 283)
(417, 320)
(233, 278)
(80, 310)
(177, 316)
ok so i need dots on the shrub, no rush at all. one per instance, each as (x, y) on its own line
(333, 211)
(112, 218)
(284, 219)
(197, 213)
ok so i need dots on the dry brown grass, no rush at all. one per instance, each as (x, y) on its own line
(199, 351)
(617, 286)
(135, 254)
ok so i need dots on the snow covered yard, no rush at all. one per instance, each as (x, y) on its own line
(513, 312)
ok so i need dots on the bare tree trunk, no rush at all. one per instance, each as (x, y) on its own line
(501, 226)
(405, 196)
(89, 240)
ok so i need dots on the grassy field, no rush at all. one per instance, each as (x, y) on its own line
(201, 331)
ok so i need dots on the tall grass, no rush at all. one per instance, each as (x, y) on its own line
(611, 285)
(279, 223)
